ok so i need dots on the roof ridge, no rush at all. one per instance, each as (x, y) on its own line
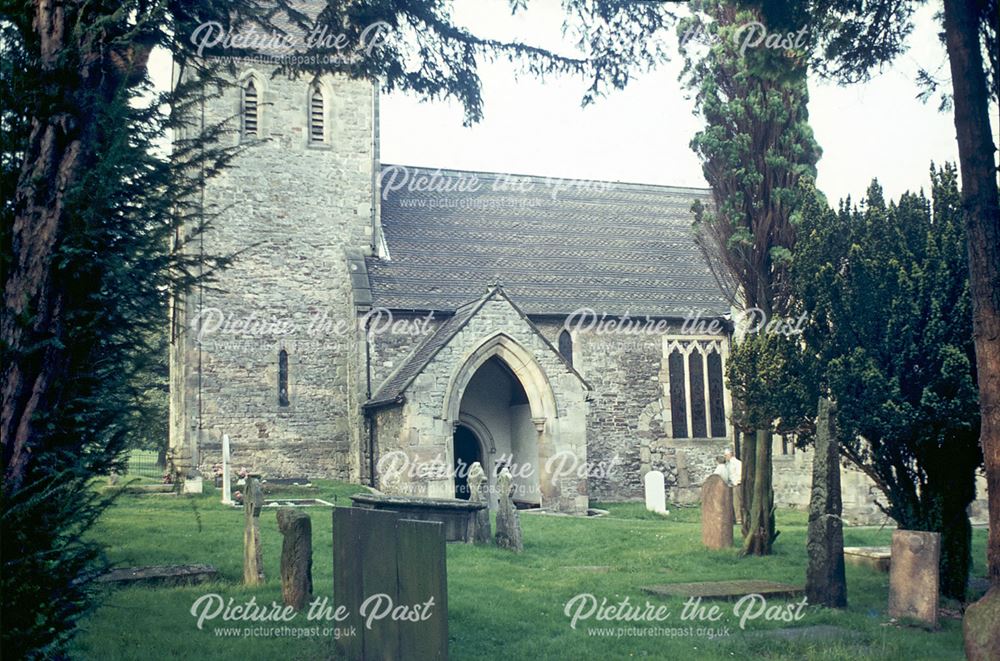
(489, 174)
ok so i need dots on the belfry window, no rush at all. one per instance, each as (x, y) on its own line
(566, 346)
(251, 110)
(316, 116)
(282, 378)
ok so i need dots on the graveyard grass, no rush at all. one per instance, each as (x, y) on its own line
(500, 604)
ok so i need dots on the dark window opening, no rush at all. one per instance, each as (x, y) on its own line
(678, 405)
(566, 346)
(716, 395)
(282, 378)
(696, 369)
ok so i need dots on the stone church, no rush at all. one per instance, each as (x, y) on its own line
(390, 324)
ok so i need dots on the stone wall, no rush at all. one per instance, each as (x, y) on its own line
(793, 484)
(288, 209)
(628, 425)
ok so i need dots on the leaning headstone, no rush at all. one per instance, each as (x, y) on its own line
(716, 513)
(253, 559)
(508, 534)
(913, 576)
(826, 584)
(480, 521)
(656, 492)
(296, 557)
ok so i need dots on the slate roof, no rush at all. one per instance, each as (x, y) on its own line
(392, 388)
(556, 245)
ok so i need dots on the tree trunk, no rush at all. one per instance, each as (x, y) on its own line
(982, 212)
(759, 533)
(32, 316)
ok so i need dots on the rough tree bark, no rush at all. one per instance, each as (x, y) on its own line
(982, 212)
(32, 305)
(758, 528)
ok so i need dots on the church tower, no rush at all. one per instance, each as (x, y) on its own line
(266, 351)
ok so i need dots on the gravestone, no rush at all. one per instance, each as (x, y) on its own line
(656, 493)
(296, 557)
(253, 559)
(913, 575)
(683, 477)
(379, 556)
(716, 513)
(981, 628)
(227, 476)
(508, 534)
(826, 584)
(480, 521)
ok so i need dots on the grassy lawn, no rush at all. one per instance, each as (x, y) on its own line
(500, 604)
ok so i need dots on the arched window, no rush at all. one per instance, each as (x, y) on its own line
(282, 378)
(250, 109)
(316, 115)
(566, 346)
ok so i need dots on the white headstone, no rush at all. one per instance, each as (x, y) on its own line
(656, 493)
(227, 488)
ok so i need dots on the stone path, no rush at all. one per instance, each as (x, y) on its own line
(725, 589)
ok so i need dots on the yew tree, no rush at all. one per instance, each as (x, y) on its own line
(854, 38)
(885, 289)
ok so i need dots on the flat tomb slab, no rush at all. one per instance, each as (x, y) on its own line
(456, 515)
(875, 557)
(726, 589)
(818, 632)
(160, 575)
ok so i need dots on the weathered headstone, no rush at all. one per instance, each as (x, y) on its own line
(981, 628)
(716, 513)
(683, 477)
(656, 492)
(253, 559)
(913, 575)
(296, 557)
(227, 478)
(392, 562)
(508, 533)
(480, 521)
(826, 584)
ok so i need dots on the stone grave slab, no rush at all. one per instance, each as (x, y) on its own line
(817, 632)
(873, 557)
(726, 589)
(160, 575)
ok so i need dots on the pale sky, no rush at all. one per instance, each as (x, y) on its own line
(641, 134)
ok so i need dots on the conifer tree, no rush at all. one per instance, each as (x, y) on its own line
(754, 149)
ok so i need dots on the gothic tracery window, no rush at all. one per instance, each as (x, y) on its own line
(696, 390)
